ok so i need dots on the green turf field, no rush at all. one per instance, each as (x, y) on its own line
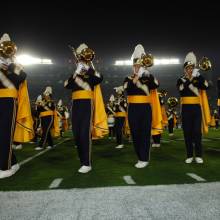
(110, 165)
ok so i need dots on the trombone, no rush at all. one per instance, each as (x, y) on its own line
(172, 102)
(86, 55)
(205, 64)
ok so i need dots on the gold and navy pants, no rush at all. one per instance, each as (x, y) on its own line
(8, 108)
(82, 112)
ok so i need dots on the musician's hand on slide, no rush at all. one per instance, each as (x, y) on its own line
(81, 67)
(18, 68)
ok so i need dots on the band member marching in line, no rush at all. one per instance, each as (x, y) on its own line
(177, 122)
(15, 115)
(195, 109)
(120, 109)
(212, 123)
(35, 115)
(111, 120)
(216, 117)
(171, 114)
(142, 98)
(63, 115)
(87, 101)
(46, 109)
(157, 136)
(171, 121)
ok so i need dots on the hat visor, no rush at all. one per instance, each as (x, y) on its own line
(193, 65)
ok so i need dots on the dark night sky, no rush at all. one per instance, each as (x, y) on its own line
(113, 31)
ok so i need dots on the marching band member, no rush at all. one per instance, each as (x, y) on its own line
(177, 120)
(212, 123)
(171, 115)
(157, 136)
(63, 114)
(195, 109)
(120, 109)
(141, 99)
(15, 114)
(216, 116)
(84, 84)
(46, 113)
(110, 113)
(214, 120)
(35, 115)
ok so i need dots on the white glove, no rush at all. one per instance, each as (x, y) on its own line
(141, 71)
(146, 73)
(4, 63)
(67, 115)
(18, 68)
(80, 67)
(195, 73)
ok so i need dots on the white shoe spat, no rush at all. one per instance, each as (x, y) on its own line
(85, 169)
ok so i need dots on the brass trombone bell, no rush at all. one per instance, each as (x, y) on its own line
(87, 54)
(147, 60)
(172, 102)
(8, 49)
(205, 64)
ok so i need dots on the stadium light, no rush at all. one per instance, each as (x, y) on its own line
(123, 63)
(25, 60)
(163, 61)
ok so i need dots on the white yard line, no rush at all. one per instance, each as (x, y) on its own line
(196, 177)
(217, 138)
(55, 183)
(129, 180)
(206, 140)
(40, 153)
(165, 141)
